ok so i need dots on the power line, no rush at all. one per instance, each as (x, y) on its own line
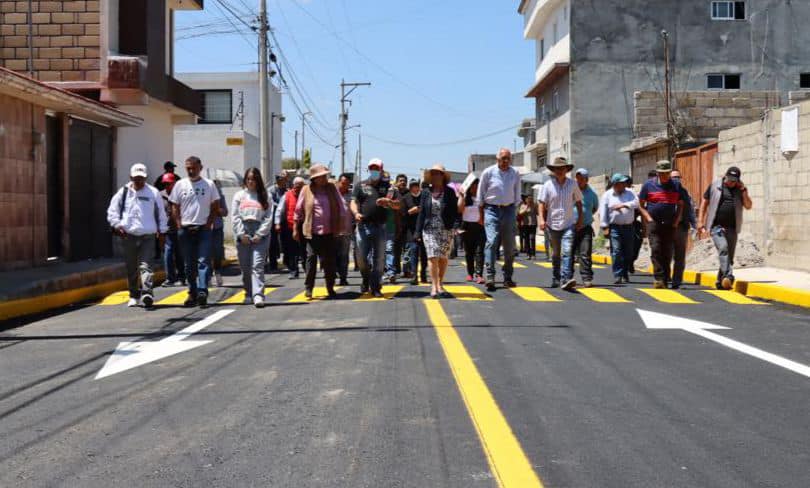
(438, 144)
(220, 4)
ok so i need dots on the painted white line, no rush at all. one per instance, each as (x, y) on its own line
(129, 355)
(655, 320)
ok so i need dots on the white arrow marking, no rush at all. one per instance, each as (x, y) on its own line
(130, 355)
(655, 320)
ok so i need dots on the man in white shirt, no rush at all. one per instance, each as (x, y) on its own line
(558, 197)
(617, 212)
(195, 204)
(136, 216)
(498, 197)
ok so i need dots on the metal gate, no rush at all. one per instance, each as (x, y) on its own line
(90, 189)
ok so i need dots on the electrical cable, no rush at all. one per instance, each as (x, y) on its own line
(439, 144)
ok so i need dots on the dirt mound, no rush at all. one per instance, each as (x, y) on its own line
(704, 255)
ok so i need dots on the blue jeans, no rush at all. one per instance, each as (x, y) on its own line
(499, 225)
(173, 258)
(371, 253)
(196, 248)
(622, 249)
(410, 257)
(562, 252)
(391, 256)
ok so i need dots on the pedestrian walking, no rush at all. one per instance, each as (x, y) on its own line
(438, 212)
(472, 228)
(276, 193)
(528, 212)
(320, 216)
(168, 169)
(721, 213)
(252, 221)
(137, 218)
(661, 204)
(410, 215)
(284, 223)
(617, 212)
(195, 203)
(370, 200)
(499, 195)
(559, 196)
(218, 236)
(583, 238)
(345, 239)
(681, 237)
(172, 257)
(393, 231)
(521, 233)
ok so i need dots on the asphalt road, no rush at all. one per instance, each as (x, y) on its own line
(514, 389)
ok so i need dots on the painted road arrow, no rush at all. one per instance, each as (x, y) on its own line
(130, 355)
(655, 320)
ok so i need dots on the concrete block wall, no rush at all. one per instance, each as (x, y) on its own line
(65, 39)
(778, 184)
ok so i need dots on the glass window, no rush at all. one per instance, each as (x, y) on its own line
(728, 10)
(804, 80)
(732, 82)
(723, 82)
(217, 107)
(715, 82)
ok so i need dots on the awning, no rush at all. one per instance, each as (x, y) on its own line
(536, 147)
(558, 71)
(49, 97)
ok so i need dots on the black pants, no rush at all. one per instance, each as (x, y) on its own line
(293, 251)
(528, 239)
(583, 247)
(275, 249)
(423, 263)
(474, 241)
(638, 240)
(680, 238)
(662, 237)
(323, 247)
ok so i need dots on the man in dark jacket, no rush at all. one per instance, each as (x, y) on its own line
(412, 254)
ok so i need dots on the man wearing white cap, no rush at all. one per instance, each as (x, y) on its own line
(136, 216)
(370, 200)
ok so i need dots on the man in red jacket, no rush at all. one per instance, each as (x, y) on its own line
(285, 223)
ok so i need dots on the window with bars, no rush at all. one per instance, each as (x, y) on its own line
(728, 10)
(217, 106)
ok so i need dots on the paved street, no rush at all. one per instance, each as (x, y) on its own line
(517, 388)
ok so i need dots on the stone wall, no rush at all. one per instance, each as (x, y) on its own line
(779, 186)
(65, 39)
(23, 197)
(699, 115)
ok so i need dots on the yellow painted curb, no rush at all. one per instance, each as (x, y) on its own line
(791, 296)
(29, 306)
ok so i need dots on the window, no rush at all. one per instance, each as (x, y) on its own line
(556, 38)
(542, 46)
(555, 101)
(804, 80)
(541, 108)
(728, 10)
(216, 106)
(723, 82)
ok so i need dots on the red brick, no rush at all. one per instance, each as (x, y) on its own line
(93, 6)
(73, 52)
(89, 18)
(88, 64)
(6, 7)
(42, 42)
(23, 7)
(61, 64)
(87, 41)
(21, 29)
(6, 30)
(17, 64)
(6, 53)
(41, 64)
(21, 53)
(48, 30)
(50, 76)
(15, 19)
(15, 41)
(91, 52)
(92, 29)
(73, 29)
(74, 6)
(62, 41)
(72, 76)
(49, 53)
(42, 18)
(92, 75)
(50, 6)
(63, 18)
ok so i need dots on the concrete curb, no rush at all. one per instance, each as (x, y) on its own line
(774, 293)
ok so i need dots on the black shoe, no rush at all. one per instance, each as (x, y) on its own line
(509, 283)
(364, 287)
(168, 284)
(331, 294)
(570, 285)
(675, 286)
(414, 281)
(632, 270)
(424, 279)
(555, 283)
(308, 293)
(392, 279)
(202, 299)
(343, 282)
(618, 281)
(293, 276)
(147, 300)
(445, 294)
(491, 285)
(190, 301)
(719, 286)
(377, 294)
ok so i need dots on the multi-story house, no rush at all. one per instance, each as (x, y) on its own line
(593, 55)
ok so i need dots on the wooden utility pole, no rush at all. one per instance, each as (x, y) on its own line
(344, 117)
(667, 92)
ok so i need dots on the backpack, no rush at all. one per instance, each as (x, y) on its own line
(122, 203)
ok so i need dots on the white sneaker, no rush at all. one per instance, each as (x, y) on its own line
(258, 301)
(218, 279)
(132, 302)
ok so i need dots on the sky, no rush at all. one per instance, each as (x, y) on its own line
(441, 71)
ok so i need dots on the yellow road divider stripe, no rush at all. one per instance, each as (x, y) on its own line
(117, 298)
(174, 299)
(506, 458)
(668, 296)
(466, 292)
(388, 291)
(734, 297)
(239, 298)
(550, 265)
(534, 294)
(515, 265)
(318, 293)
(603, 295)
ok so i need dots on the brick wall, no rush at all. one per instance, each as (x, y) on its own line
(778, 185)
(65, 39)
(699, 115)
(23, 198)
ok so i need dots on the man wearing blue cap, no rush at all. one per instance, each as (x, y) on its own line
(583, 238)
(617, 210)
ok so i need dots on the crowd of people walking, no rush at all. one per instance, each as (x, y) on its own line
(410, 229)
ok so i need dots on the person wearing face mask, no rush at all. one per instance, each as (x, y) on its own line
(285, 223)
(681, 238)
(136, 216)
(172, 257)
(370, 200)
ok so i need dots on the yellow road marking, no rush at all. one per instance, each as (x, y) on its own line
(466, 292)
(734, 297)
(318, 293)
(117, 298)
(506, 458)
(668, 296)
(534, 294)
(388, 291)
(239, 297)
(515, 264)
(602, 295)
(174, 299)
(550, 265)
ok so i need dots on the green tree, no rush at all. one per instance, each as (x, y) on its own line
(290, 163)
(307, 159)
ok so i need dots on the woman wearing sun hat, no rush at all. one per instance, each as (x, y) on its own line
(434, 226)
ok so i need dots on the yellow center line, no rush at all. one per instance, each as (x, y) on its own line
(734, 297)
(515, 265)
(239, 297)
(667, 296)
(534, 294)
(505, 456)
(388, 291)
(318, 293)
(602, 295)
(467, 292)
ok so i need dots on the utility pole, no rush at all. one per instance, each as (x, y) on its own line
(667, 94)
(264, 96)
(303, 126)
(344, 117)
(359, 155)
(295, 154)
